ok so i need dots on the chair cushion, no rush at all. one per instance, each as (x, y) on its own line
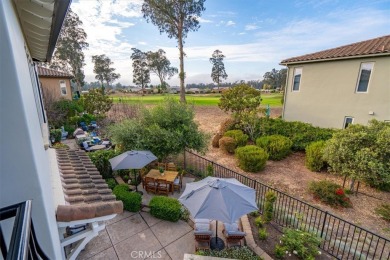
(231, 227)
(235, 233)
(176, 181)
(202, 220)
(202, 226)
(203, 232)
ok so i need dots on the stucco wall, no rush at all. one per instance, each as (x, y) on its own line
(327, 93)
(24, 162)
(51, 88)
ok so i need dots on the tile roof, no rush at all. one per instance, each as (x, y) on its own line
(86, 193)
(51, 73)
(377, 46)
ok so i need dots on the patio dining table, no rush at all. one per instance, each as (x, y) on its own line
(168, 176)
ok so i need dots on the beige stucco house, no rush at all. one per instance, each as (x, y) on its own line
(55, 84)
(340, 86)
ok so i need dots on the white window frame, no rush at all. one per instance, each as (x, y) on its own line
(293, 79)
(345, 121)
(61, 87)
(360, 74)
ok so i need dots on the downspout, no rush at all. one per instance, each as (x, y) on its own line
(285, 91)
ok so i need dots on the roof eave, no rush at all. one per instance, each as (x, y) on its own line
(335, 59)
(59, 14)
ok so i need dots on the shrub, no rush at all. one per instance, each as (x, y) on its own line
(226, 125)
(270, 198)
(314, 156)
(60, 146)
(277, 146)
(241, 253)
(301, 134)
(227, 144)
(263, 234)
(251, 158)
(56, 134)
(329, 193)
(165, 208)
(384, 211)
(302, 244)
(100, 159)
(362, 153)
(259, 222)
(254, 213)
(215, 141)
(111, 183)
(240, 138)
(185, 214)
(131, 200)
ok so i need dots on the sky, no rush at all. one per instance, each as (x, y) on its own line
(254, 35)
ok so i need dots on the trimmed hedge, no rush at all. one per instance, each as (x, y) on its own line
(301, 134)
(251, 158)
(111, 183)
(165, 208)
(227, 144)
(239, 136)
(131, 200)
(277, 146)
(314, 156)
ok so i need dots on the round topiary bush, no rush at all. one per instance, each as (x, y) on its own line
(314, 156)
(277, 146)
(239, 136)
(215, 141)
(227, 144)
(226, 125)
(251, 158)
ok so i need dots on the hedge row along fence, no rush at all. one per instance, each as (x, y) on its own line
(341, 238)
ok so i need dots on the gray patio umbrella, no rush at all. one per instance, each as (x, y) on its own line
(219, 199)
(132, 160)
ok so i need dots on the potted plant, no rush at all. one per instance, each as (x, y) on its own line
(161, 169)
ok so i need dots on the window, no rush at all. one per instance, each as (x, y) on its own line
(348, 120)
(63, 87)
(297, 79)
(364, 77)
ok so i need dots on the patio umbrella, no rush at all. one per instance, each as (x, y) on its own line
(132, 160)
(219, 199)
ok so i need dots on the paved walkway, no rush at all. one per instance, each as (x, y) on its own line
(141, 236)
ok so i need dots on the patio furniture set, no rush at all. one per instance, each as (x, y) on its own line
(90, 141)
(163, 181)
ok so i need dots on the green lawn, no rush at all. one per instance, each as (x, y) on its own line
(274, 100)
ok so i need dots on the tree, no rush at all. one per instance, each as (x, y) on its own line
(361, 153)
(275, 78)
(240, 99)
(161, 66)
(218, 71)
(141, 73)
(95, 102)
(166, 129)
(68, 55)
(103, 70)
(177, 19)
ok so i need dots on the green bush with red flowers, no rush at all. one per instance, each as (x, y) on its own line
(330, 193)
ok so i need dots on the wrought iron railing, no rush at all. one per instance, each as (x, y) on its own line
(341, 238)
(23, 242)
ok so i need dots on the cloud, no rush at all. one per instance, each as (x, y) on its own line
(251, 27)
(142, 43)
(230, 23)
(202, 20)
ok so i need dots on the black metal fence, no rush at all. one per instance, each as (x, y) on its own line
(341, 238)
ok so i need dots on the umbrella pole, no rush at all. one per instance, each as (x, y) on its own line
(216, 232)
(136, 180)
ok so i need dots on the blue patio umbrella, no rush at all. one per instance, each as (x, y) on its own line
(219, 199)
(132, 160)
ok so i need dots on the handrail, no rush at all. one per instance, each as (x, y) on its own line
(23, 243)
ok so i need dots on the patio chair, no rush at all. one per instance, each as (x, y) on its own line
(162, 165)
(178, 182)
(150, 185)
(163, 187)
(233, 234)
(202, 233)
(171, 167)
